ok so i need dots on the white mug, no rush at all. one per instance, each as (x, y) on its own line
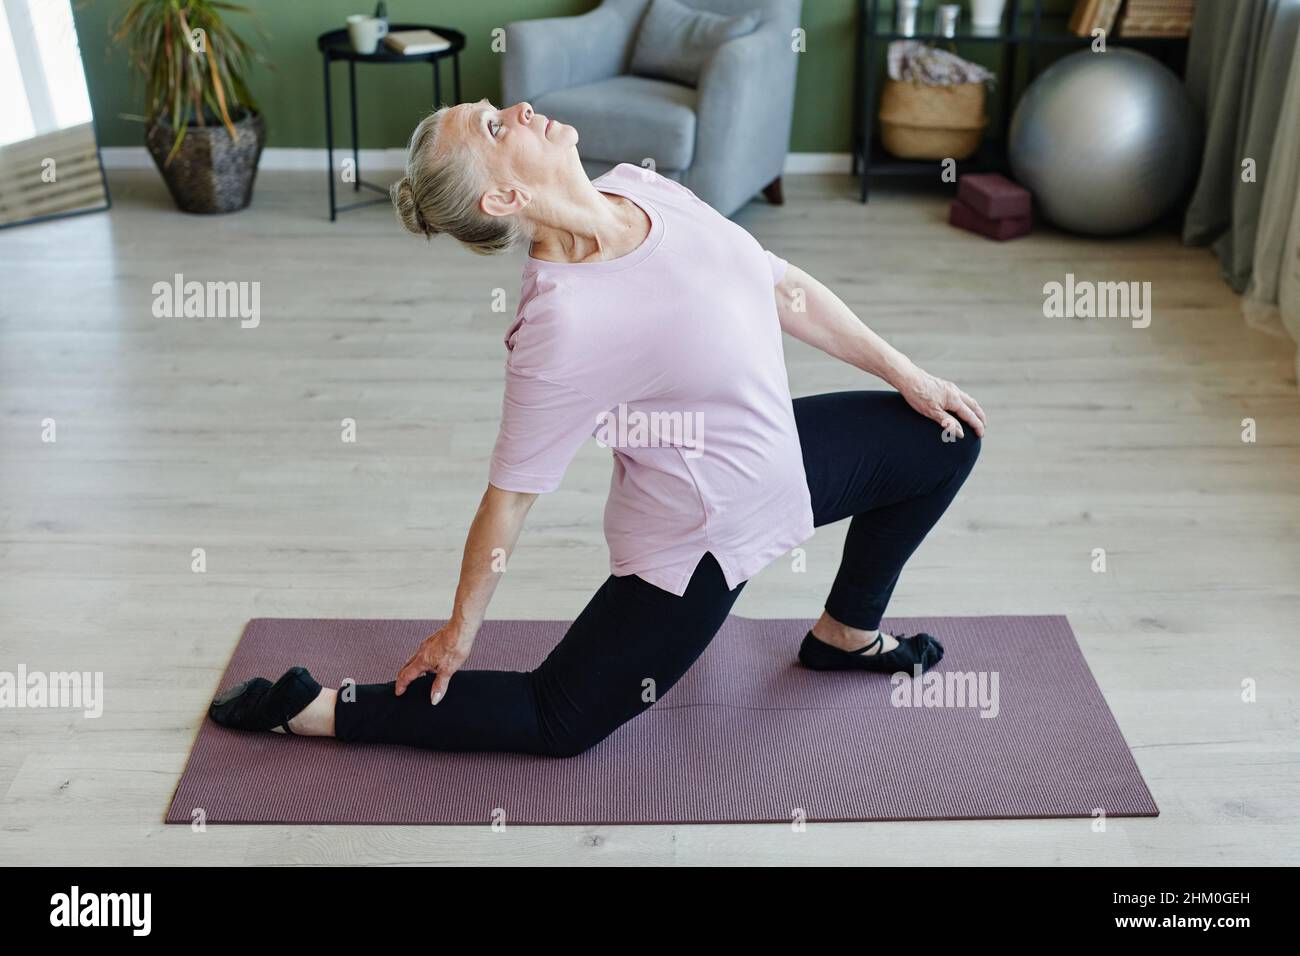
(986, 14)
(366, 32)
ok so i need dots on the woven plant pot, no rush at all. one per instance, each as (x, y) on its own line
(932, 122)
(211, 172)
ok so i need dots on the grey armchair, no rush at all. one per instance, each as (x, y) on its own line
(726, 139)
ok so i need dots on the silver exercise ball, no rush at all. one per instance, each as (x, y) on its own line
(1106, 142)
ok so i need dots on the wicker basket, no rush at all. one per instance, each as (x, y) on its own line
(932, 122)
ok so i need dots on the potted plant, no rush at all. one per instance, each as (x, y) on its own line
(201, 125)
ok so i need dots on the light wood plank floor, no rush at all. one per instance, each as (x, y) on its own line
(182, 434)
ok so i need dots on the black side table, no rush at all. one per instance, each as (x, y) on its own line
(335, 45)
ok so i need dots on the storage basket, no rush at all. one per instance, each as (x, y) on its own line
(918, 121)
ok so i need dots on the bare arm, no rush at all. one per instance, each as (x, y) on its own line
(489, 544)
(814, 314)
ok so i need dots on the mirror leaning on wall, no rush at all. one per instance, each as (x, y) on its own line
(49, 156)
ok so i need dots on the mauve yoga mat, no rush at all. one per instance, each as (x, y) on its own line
(746, 736)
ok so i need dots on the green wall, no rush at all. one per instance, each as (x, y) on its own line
(391, 99)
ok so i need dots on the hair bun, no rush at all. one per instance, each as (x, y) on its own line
(408, 211)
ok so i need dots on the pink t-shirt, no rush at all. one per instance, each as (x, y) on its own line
(672, 356)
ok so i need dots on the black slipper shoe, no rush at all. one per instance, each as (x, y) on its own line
(920, 649)
(257, 704)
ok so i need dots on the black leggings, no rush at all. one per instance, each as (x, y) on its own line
(866, 454)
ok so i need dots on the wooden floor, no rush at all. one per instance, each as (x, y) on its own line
(176, 434)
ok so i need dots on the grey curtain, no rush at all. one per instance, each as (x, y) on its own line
(1273, 299)
(1240, 58)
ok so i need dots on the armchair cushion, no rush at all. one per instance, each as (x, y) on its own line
(675, 41)
(627, 119)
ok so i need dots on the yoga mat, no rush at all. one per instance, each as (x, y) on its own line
(747, 736)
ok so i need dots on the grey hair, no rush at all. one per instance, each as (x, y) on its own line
(440, 193)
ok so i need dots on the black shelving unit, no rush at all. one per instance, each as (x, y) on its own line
(1024, 26)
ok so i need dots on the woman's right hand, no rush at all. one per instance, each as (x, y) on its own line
(493, 532)
(441, 655)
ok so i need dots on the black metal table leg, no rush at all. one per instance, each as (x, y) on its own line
(1008, 102)
(869, 102)
(1033, 45)
(455, 74)
(352, 95)
(437, 84)
(329, 137)
(854, 134)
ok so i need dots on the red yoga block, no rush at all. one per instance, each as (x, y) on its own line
(964, 217)
(994, 196)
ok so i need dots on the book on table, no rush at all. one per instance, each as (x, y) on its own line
(415, 42)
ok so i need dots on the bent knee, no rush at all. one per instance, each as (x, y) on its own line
(967, 448)
(567, 727)
(577, 738)
(572, 746)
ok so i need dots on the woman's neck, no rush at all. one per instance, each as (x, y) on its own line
(579, 223)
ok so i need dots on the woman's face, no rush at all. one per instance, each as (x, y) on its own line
(515, 145)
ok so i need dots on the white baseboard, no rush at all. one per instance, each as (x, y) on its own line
(797, 164)
(280, 158)
(125, 157)
(275, 158)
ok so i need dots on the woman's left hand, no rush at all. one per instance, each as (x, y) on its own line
(943, 402)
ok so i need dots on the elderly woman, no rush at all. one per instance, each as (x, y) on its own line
(649, 319)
